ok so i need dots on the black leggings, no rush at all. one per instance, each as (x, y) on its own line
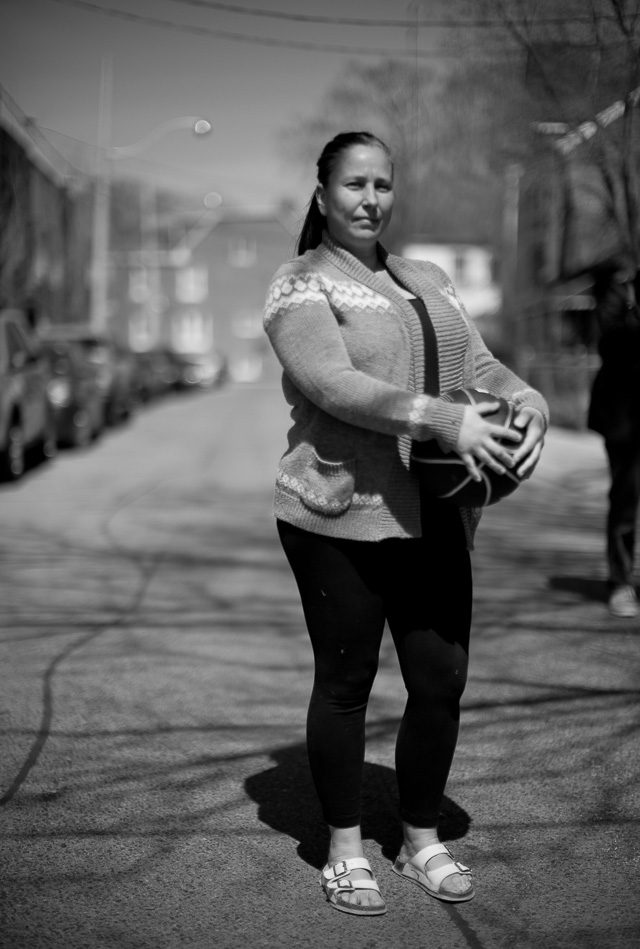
(422, 588)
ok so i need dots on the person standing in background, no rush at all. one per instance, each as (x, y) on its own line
(614, 412)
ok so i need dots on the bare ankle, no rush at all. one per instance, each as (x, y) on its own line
(417, 838)
(345, 842)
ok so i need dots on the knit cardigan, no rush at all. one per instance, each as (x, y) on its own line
(352, 353)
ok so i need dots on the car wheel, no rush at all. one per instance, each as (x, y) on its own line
(112, 416)
(83, 433)
(12, 461)
(47, 446)
(50, 445)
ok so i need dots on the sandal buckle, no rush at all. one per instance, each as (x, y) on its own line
(340, 870)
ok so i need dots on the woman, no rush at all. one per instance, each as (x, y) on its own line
(354, 328)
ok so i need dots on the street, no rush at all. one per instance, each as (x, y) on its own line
(154, 674)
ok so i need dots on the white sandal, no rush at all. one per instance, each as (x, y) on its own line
(334, 883)
(431, 881)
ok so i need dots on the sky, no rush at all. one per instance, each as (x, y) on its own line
(51, 53)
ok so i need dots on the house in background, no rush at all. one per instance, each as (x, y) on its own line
(471, 267)
(205, 293)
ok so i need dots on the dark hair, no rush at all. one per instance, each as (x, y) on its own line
(314, 223)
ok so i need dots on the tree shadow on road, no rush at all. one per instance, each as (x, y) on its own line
(287, 803)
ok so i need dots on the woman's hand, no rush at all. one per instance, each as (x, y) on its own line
(531, 422)
(477, 443)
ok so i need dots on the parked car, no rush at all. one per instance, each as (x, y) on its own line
(27, 425)
(75, 395)
(155, 374)
(123, 389)
(113, 366)
(199, 370)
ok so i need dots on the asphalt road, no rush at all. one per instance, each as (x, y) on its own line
(154, 672)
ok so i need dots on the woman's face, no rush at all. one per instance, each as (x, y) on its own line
(358, 199)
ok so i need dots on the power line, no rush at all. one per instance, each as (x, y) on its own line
(269, 41)
(293, 17)
(363, 21)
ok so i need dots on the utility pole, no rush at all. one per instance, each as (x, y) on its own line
(106, 155)
(152, 264)
(102, 203)
(512, 327)
(413, 150)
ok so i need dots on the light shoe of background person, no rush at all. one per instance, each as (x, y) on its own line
(624, 602)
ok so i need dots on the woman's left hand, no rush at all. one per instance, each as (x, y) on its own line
(531, 423)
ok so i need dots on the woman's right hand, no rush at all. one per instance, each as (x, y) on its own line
(476, 442)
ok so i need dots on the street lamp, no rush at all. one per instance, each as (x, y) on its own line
(196, 123)
(102, 194)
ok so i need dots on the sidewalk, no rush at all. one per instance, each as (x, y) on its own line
(168, 800)
(550, 535)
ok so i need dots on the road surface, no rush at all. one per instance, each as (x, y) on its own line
(154, 673)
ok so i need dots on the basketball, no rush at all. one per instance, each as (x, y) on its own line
(444, 473)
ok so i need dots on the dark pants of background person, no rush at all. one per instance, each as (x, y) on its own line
(422, 588)
(624, 498)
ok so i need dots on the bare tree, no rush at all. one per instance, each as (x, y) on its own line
(529, 74)
(400, 103)
(574, 68)
(550, 92)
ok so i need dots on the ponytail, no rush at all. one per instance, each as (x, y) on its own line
(312, 227)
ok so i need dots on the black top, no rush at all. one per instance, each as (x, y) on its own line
(431, 375)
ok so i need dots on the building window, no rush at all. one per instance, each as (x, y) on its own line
(191, 331)
(192, 284)
(141, 331)
(241, 252)
(138, 286)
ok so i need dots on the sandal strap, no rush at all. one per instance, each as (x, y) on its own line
(350, 886)
(344, 867)
(424, 855)
(333, 878)
(436, 877)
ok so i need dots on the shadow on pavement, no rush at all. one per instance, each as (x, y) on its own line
(287, 803)
(585, 587)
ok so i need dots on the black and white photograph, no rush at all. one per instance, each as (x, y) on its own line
(319, 474)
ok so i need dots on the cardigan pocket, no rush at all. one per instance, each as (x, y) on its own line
(323, 486)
